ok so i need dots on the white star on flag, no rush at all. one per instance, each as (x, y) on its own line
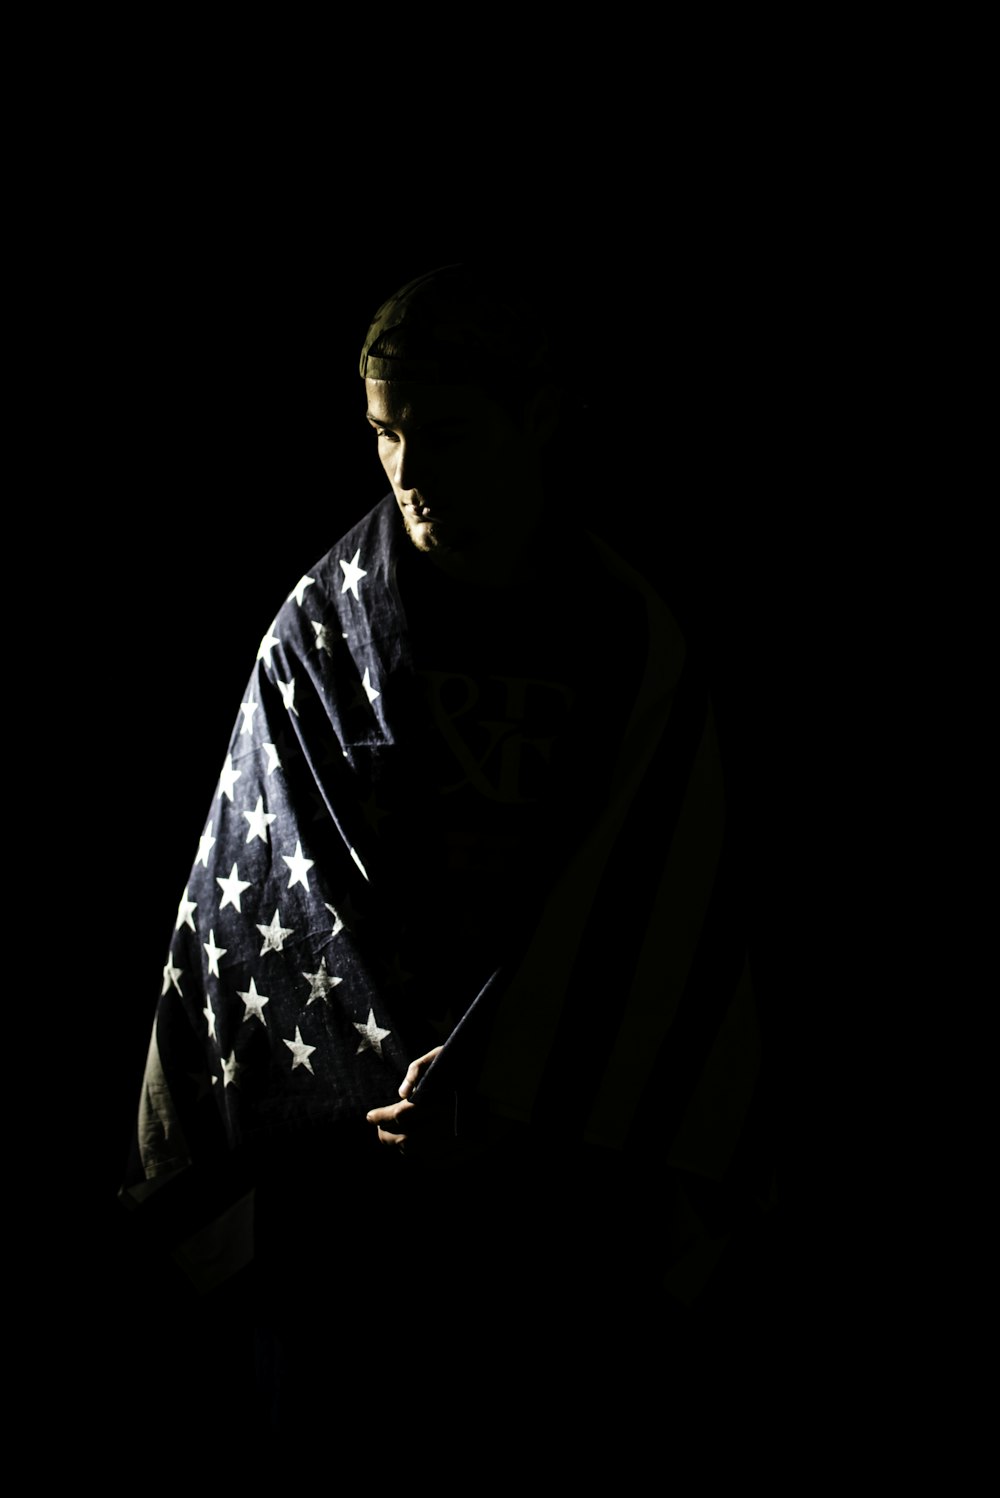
(298, 866)
(185, 908)
(254, 1001)
(300, 1052)
(371, 1036)
(274, 934)
(324, 637)
(352, 573)
(209, 1014)
(267, 644)
(248, 709)
(273, 762)
(214, 953)
(205, 843)
(298, 592)
(228, 778)
(230, 1070)
(232, 888)
(287, 689)
(367, 684)
(338, 924)
(171, 974)
(259, 821)
(321, 983)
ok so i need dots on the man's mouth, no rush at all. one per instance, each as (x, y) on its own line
(422, 511)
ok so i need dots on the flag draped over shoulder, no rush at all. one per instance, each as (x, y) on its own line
(506, 835)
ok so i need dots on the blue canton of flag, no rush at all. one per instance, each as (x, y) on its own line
(615, 1004)
(269, 1010)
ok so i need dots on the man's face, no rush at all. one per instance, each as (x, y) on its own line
(463, 472)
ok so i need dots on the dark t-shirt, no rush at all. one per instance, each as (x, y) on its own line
(518, 699)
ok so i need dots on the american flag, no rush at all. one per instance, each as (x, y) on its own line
(591, 964)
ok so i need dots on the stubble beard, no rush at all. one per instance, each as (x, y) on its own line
(428, 540)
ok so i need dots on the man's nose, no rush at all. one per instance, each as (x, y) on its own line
(410, 466)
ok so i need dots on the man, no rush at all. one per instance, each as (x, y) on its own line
(457, 1017)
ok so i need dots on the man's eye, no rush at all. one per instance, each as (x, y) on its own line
(389, 436)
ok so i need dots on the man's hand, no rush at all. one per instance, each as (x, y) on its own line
(429, 1129)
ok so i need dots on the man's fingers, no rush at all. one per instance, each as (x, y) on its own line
(415, 1071)
(391, 1119)
(391, 1123)
(407, 1123)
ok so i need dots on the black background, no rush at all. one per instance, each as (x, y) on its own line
(214, 447)
(240, 453)
(226, 450)
(772, 238)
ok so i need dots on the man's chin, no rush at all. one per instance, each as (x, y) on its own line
(437, 536)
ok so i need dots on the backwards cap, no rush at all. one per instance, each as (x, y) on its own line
(453, 325)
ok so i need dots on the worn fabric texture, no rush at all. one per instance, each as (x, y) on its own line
(494, 821)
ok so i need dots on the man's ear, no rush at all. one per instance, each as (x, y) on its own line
(542, 413)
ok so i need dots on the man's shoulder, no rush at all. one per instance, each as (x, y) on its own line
(343, 594)
(367, 548)
(358, 564)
